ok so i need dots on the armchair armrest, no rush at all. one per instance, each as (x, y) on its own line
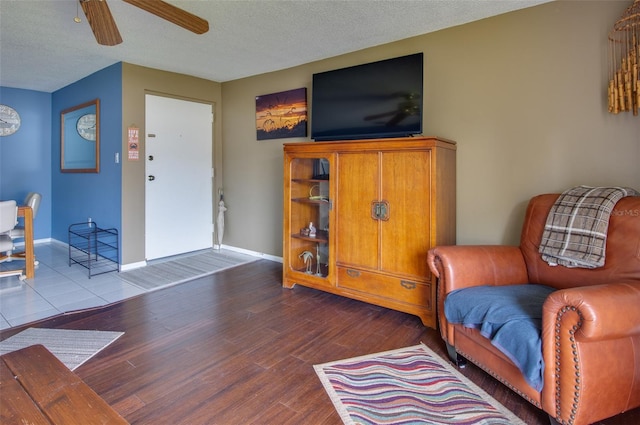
(606, 311)
(460, 266)
(465, 266)
(590, 339)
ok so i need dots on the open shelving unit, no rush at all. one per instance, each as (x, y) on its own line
(93, 248)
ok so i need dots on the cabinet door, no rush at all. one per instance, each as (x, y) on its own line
(358, 186)
(307, 212)
(398, 242)
(405, 234)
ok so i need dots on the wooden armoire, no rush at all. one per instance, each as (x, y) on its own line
(360, 216)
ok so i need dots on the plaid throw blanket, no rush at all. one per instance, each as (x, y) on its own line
(575, 234)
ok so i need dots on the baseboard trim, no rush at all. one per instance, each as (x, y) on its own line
(132, 266)
(252, 253)
(138, 264)
(35, 242)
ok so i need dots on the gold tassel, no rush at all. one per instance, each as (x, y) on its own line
(620, 91)
(610, 96)
(623, 89)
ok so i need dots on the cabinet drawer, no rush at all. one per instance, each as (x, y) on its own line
(394, 288)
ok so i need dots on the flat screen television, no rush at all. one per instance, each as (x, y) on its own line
(375, 100)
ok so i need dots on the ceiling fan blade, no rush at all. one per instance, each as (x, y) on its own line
(101, 22)
(172, 14)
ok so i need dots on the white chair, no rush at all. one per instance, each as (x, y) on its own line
(8, 221)
(32, 200)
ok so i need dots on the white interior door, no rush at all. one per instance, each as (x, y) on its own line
(179, 173)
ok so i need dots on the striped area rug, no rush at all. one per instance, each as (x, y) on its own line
(174, 270)
(72, 347)
(411, 385)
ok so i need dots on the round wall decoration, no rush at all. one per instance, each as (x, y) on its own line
(9, 120)
(86, 127)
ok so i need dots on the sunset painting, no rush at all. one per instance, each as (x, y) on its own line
(282, 115)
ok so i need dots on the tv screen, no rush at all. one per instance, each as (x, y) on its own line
(374, 100)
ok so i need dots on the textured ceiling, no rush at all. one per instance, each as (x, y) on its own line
(41, 48)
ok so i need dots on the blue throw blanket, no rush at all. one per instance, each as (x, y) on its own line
(510, 316)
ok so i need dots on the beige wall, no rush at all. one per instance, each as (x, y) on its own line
(137, 81)
(523, 94)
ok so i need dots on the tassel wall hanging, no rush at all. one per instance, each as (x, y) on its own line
(624, 61)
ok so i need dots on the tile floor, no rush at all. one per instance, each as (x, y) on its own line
(56, 288)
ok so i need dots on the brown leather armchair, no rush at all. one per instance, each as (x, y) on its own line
(590, 324)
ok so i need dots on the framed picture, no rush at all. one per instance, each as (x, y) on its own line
(80, 138)
(282, 115)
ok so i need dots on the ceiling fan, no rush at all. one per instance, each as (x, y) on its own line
(104, 26)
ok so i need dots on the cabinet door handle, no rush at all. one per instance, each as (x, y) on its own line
(384, 210)
(380, 210)
(408, 285)
(375, 210)
(353, 273)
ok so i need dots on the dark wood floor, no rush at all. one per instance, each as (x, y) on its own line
(237, 348)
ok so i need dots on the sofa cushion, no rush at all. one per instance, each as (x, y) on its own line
(510, 316)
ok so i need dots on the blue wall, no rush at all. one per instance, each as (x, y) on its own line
(30, 158)
(77, 196)
(25, 156)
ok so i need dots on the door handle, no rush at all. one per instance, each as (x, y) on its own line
(408, 285)
(151, 178)
(375, 210)
(150, 157)
(380, 210)
(384, 211)
(353, 273)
